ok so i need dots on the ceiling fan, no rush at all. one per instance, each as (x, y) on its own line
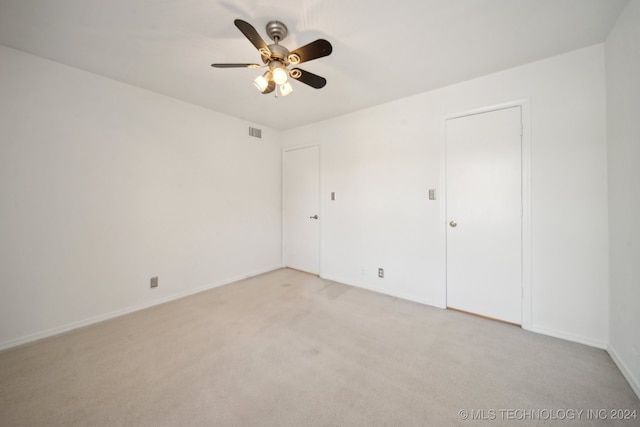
(278, 58)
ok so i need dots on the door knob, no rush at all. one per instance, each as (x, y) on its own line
(314, 217)
(453, 224)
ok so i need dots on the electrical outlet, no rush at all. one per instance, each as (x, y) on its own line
(154, 282)
(381, 273)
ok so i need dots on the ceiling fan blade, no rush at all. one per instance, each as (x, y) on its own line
(235, 65)
(313, 50)
(253, 36)
(310, 79)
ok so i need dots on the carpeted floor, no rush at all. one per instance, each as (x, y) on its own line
(290, 349)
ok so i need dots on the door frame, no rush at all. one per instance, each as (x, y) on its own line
(282, 201)
(525, 111)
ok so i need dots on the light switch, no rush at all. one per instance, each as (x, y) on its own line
(333, 195)
(432, 194)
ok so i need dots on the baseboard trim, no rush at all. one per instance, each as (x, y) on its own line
(628, 375)
(102, 317)
(544, 331)
(493, 319)
(570, 337)
(382, 291)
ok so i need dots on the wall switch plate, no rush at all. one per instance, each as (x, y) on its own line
(432, 194)
(154, 282)
(381, 273)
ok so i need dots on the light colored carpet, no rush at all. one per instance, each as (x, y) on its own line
(290, 349)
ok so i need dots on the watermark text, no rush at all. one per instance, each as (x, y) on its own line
(521, 414)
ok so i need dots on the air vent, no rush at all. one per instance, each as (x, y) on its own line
(254, 132)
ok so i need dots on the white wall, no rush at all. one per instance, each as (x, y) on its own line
(103, 185)
(623, 126)
(382, 161)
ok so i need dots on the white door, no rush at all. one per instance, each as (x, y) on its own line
(301, 194)
(484, 214)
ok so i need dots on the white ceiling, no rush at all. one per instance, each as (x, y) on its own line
(382, 50)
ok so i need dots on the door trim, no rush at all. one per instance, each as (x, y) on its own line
(282, 202)
(525, 111)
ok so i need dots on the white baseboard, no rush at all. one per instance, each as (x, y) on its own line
(106, 316)
(544, 331)
(382, 291)
(570, 337)
(626, 372)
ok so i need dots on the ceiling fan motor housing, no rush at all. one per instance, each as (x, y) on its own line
(278, 52)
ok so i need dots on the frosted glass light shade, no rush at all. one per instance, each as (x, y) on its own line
(280, 75)
(286, 89)
(262, 82)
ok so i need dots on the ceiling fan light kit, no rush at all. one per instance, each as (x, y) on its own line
(277, 59)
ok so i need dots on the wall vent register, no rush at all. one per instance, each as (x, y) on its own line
(254, 132)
